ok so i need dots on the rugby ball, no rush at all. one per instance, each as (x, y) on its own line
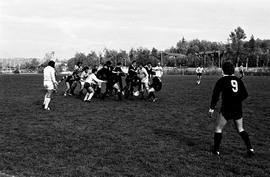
(136, 93)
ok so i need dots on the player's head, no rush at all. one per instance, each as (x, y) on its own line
(94, 71)
(133, 63)
(105, 66)
(119, 64)
(228, 68)
(158, 63)
(79, 63)
(86, 68)
(149, 64)
(140, 65)
(51, 63)
(108, 63)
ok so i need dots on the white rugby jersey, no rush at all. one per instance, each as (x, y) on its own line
(83, 76)
(158, 70)
(143, 71)
(49, 74)
(199, 70)
(92, 79)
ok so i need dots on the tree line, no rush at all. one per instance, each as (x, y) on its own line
(250, 53)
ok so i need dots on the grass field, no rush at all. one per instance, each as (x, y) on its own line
(169, 138)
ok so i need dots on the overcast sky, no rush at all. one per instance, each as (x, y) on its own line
(30, 28)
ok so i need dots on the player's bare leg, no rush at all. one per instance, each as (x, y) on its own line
(199, 80)
(89, 94)
(244, 135)
(151, 95)
(47, 99)
(67, 91)
(119, 93)
(221, 122)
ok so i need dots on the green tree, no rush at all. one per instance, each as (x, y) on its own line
(92, 59)
(110, 55)
(182, 46)
(79, 57)
(31, 66)
(237, 37)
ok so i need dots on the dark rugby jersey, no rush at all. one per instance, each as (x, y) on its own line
(117, 74)
(149, 70)
(132, 71)
(232, 90)
(103, 74)
(118, 69)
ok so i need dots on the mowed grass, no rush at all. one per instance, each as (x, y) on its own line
(171, 137)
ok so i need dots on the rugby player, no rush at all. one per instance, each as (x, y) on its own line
(90, 82)
(131, 79)
(158, 70)
(76, 75)
(154, 87)
(241, 71)
(149, 70)
(84, 74)
(49, 83)
(109, 84)
(233, 92)
(119, 73)
(68, 80)
(102, 74)
(199, 71)
(143, 75)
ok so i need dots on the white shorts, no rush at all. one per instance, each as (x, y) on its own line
(82, 83)
(145, 83)
(48, 85)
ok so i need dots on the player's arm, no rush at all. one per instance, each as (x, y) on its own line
(114, 71)
(96, 79)
(63, 78)
(53, 78)
(132, 70)
(215, 98)
(146, 73)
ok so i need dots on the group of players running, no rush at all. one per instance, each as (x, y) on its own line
(139, 79)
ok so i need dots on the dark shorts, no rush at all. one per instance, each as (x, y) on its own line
(232, 114)
(69, 80)
(87, 85)
(157, 84)
(199, 74)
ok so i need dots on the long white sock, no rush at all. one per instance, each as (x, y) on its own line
(47, 102)
(90, 96)
(86, 96)
(44, 98)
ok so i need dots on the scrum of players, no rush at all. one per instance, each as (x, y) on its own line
(143, 79)
(139, 80)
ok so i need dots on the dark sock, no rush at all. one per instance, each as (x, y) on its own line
(119, 95)
(142, 95)
(150, 95)
(245, 137)
(217, 141)
(98, 92)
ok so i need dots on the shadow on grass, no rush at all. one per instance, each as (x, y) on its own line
(188, 139)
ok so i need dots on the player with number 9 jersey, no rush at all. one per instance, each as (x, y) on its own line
(233, 92)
